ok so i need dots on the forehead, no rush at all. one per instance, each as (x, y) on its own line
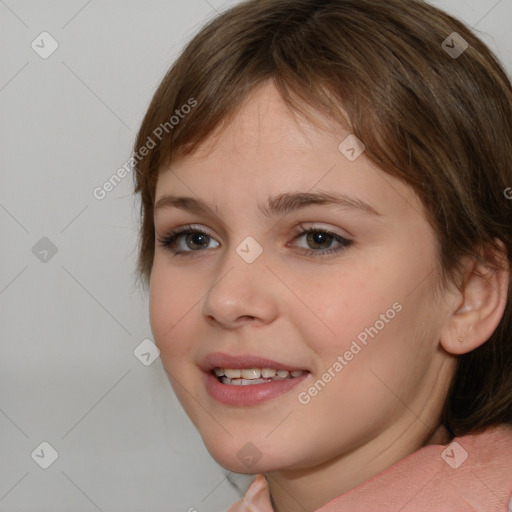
(265, 150)
(265, 120)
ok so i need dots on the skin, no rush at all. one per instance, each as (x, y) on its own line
(306, 310)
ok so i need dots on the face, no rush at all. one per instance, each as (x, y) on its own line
(263, 279)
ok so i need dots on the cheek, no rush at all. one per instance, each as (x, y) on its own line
(366, 313)
(171, 297)
(342, 305)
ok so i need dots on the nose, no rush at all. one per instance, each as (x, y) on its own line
(241, 293)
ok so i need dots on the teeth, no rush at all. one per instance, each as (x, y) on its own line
(242, 382)
(248, 376)
(234, 382)
(252, 373)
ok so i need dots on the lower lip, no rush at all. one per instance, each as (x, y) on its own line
(251, 394)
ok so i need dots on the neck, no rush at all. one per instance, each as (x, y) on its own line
(307, 490)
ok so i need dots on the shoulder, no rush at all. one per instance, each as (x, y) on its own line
(472, 472)
(479, 467)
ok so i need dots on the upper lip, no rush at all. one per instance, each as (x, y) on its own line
(221, 360)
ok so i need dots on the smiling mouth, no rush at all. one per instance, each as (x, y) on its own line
(251, 376)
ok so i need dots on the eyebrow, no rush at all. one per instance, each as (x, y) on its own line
(276, 205)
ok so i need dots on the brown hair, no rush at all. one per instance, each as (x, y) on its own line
(439, 122)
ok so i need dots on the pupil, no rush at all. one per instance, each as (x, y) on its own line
(194, 239)
(319, 238)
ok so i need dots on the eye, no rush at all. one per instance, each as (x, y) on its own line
(194, 239)
(189, 239)
(321, 239)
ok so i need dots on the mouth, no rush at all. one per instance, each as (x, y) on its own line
(244, 380)
(252, 376)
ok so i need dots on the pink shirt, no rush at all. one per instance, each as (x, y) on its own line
(471, 473)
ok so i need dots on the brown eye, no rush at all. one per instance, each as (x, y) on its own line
(319, 242)
(194, 240)
(319, 238)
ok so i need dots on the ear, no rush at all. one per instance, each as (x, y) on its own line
(479, 306)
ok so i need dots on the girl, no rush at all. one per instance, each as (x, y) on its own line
(326, 236)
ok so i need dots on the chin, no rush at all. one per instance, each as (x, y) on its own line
(246, 458)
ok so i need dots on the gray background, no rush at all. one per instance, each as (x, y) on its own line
(70, 321)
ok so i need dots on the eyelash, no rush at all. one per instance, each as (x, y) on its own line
(169, 240)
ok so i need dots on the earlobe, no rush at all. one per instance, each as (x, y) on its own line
(484, 297)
